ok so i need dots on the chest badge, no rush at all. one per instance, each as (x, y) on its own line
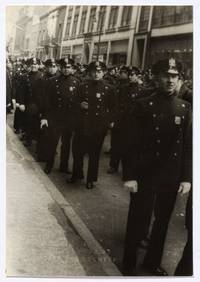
(177, 120)
(98, 95)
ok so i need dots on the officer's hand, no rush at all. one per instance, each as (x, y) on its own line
(112, 124)
(131, 185)
(22, 108)
(14, 104)
(43, 123)
(84, 105)
(184, 187)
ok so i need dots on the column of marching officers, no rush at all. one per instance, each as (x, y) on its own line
(149, 117)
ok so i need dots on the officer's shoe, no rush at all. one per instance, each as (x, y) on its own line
(27, 143)
(47, 169)
(90, 185)
(107, 152)
(144, 244)
(111, 170)
(17, 131)
(155, 271)
(72, 180)
(130, 272)
(65, 170)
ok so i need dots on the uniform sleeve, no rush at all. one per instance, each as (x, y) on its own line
(129, 145)
(47, 86)
(186, 168)
(77, 98)
(41, 95)
(112, 104)
(21, 91)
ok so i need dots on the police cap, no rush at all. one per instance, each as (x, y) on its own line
(50, 63)
(33, 61)
(94, 66)
(133, 70)
(66, 62)
(170, 66)
(124, 69)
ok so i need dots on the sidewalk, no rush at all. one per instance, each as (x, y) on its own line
(40, 240)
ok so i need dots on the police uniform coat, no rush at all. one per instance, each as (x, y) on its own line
(158, 147)
(100, 113)
(31, 86)
(61, 101)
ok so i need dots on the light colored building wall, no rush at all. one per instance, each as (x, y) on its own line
(107, 37)
(160, 39)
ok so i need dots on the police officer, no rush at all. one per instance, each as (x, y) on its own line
(185, 265)
(183, 91)
(49, 72)
(127, 91)
(110, 76)
(60, 113)
(158, 160)
(9, 86)
(30, 92)
(17, 79)
(97, 104)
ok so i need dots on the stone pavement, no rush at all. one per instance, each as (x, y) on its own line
(39, 239)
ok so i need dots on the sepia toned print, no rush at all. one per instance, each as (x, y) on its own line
(99, 141)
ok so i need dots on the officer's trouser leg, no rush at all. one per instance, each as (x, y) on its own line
(42, 145)
(18, 116)
(28, 128)
(65, 148)
(32, 127)
(95, 144)
(139, 209)
(54, 135)
(78, 149)
(115, 156)
(164, 204)
(185, 265)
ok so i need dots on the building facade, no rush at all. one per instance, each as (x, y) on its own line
(105, 32)
(49, 34)
(27, 28)
(130, 35)
(163, 31)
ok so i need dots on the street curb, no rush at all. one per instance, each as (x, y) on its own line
(103, 258)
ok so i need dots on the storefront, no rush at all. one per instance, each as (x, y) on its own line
(77, 53)
(118, 52)
(179, 47)
(100, 50)
(66, 51)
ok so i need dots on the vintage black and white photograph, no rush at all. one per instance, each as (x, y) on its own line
(99, 103)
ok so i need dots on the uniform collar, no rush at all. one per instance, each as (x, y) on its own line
(166, 95)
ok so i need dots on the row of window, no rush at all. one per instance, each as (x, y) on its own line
(162, 16)
(97, 20)
(165, 16)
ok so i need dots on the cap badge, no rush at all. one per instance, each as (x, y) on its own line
(177, 120)
(172, 63)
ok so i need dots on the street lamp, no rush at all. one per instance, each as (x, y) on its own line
(100, 30)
